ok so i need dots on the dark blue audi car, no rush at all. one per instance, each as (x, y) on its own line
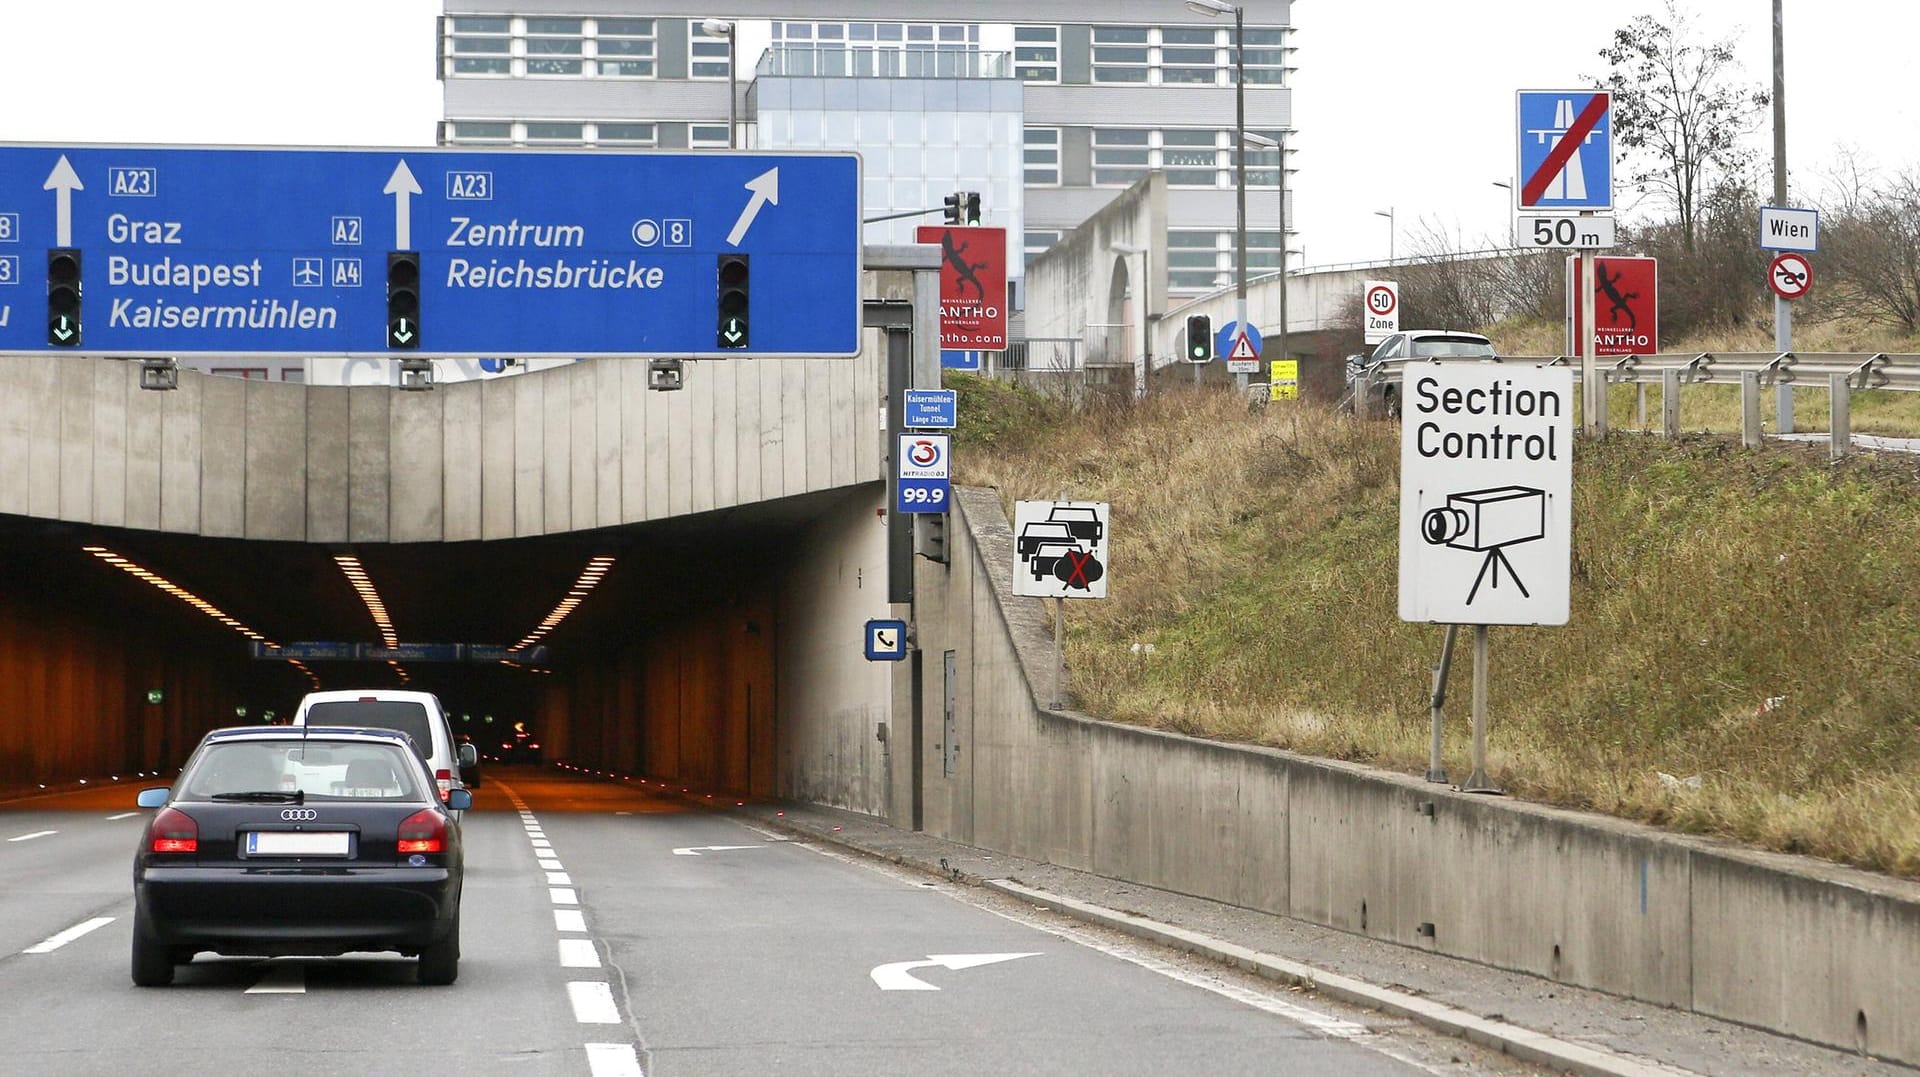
(279, 841)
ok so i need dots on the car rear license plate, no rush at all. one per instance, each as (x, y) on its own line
(297, 843)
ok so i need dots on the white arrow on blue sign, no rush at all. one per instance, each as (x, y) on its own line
(1565, 149)
(204, 251)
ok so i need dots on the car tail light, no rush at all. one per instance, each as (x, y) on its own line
(444, 779)
(423, 832)
(173, 831)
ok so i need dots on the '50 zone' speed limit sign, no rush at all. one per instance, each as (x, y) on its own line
(1380, 306)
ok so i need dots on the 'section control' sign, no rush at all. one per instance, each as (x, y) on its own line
(1486, 494)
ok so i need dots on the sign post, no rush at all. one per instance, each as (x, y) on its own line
(1486, 499)
(1060, 552)
(1380, 306)
(424, 253)
(1785, 229)
(1565, 159)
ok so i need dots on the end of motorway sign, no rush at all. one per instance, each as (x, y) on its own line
(197, 251)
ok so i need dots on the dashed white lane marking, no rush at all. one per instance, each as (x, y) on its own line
(613, 1060)
(55, 942)
(559, 878)
(563, 895)
(578, 954)
(288, 978)
(35, 834)
(569, 920)
(550, 865)
(542, 843)
(593, 1002)
(122, 815)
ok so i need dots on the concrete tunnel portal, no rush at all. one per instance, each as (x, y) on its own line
(669, 665)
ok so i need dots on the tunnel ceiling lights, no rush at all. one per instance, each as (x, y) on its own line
(362, 584)
(154, 579)
(590, 577)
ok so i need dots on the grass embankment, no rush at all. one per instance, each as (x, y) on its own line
(1749, 617)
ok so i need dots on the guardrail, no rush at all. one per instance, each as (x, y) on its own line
(1841, 373)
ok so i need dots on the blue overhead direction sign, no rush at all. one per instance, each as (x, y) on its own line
(215, 251)
(1565, 144)
(937, 409)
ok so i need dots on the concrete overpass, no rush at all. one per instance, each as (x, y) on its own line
(745, 514)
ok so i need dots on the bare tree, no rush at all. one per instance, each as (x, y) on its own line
(1678, 114)
(1872, 247)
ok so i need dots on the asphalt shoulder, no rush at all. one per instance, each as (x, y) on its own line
(1553, 1024)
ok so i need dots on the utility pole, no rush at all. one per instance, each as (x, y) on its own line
(1782, 309)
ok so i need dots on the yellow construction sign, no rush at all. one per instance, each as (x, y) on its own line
(1283, 379)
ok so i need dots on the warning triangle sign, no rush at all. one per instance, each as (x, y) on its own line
(1243, 348)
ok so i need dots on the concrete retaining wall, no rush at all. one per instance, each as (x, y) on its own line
(1784, 943)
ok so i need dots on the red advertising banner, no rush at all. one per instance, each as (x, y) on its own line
(1626, 306)
(973, 286)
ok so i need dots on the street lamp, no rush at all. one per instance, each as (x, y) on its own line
(1214, 9)
(1255, 138)
(723, 28)
(1388, 214)
(1512, 240)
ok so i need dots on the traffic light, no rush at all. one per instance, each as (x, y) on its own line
(403, 299)
(63, 297)
(732, 330)
(956, 205)
(1199, 338)
(973, 207)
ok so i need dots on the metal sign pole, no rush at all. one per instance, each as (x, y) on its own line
(1059, 661)
(1593, 389)
(1436, 770)
(1478, 782)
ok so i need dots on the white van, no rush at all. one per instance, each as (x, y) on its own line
(417, 714)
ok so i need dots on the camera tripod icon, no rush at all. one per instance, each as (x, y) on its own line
(1488, 521)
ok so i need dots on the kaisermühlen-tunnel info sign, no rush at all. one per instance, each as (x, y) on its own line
(1486, 483)
(194, 251)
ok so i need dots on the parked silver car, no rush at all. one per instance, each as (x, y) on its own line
(1384, 398)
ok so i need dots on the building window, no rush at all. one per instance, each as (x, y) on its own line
(548, 133)
(1190, 158)
(479, 132)
(479, 46)
(1266, 58)
(1193, 262)
(1036, 54)
(1038, 242)
(625, 47)
(1121, 155)
(1043, 157)
(1262, 163)
(555, 46)
(1121, 54)
(707, 54)
(1189, 55)
(628, 134)
(707, 136)
(877, 49)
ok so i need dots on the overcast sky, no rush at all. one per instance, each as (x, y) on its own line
(1400, 104)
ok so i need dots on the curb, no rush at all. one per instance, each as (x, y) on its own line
(1512, 1040)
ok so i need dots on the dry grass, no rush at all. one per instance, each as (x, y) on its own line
(1748, 617)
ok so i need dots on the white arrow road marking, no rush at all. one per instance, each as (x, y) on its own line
(593, 1002)
(63, 181)
(282, 978)
(612, 1060)
(67, 936)
(897, 976)
(696, 850)
(765, 188)
(402, 187)
(44, 833)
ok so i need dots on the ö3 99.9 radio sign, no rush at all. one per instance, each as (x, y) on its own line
(1486, 481)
